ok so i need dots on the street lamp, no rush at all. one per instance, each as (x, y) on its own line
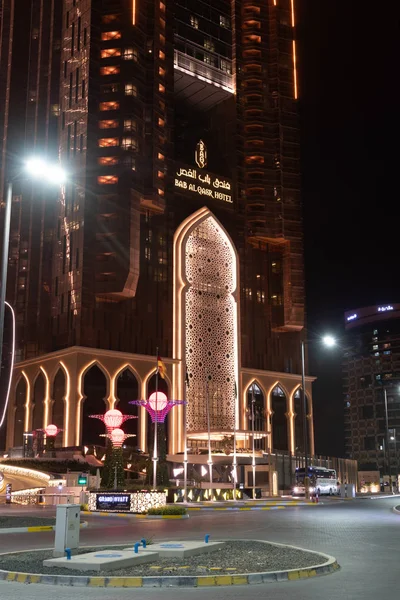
(329, 341)
(37, 169)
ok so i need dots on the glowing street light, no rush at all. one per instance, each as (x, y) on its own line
(113, 419)
(329, 341)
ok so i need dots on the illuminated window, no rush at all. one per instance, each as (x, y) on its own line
(161, 122)
(109, 18)
(130, 125)
(109, 105)
(110, 35)
(107, 161)
(162, 6)
(110, 52)
(161, 88)
(130, 54)
(129, 143)
(160, 156)
(248, 293)
(161, 71)
(252, 38)
(276, 267)
(109, 88)
(225, 66)
(161, 55)
(147, 253)
(160, 174)
(111, 70)
(160, 192)
(130, 89)
(209, 44)
(110, 124)
(162, 23)
(224, 22)
(194, 22)
(260, 296)
(55, 110)
(162, 39)
(107, 180)
(107, 142)
(276, 299)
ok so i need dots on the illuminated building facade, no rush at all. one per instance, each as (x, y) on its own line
(371, 365)
(180, 227)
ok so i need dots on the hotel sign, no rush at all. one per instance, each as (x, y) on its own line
(200, 155)
(205, 184)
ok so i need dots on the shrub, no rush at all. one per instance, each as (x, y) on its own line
(170, 509)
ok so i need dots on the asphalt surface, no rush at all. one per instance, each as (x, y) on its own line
(362, 534)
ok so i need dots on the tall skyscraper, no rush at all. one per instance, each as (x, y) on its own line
(180, 226)
(371, 369)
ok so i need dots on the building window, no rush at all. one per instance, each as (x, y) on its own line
(130, 125)
(55, 110)
(107, 180)
(276, 300)
(108, 161)
(109, 18)
(130, 90)
(224, 22)
(260, 296)
(161, 122)
(107, 142)
(147, 253)
(209, 44)
(110, 52)
(276, 267)
(161, 55)
(130, 54)
(194, 21)
(161, 88)
(110, 35)
(111, 70)
(109, 88)
(109, 105)
(110, 124)
(248, 293)
(129, 161)
(129, 143)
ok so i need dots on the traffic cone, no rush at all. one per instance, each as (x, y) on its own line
(316, 498)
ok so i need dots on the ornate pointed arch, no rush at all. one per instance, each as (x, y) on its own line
(206, 324)
(81, 395)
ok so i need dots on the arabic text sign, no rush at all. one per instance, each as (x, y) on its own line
(204, 184)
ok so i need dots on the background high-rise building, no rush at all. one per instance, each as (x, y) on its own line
(180, 226)
(372, 365)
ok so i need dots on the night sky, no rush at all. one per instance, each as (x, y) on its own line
(348, 70)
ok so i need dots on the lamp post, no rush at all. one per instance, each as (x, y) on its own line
(328, 341)
(393, 439)
(38, 169)
(158, 406)
(389, 466)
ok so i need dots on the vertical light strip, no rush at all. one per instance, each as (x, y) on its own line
(292, 11)
(47, 398)
(274, 2)
(67, 407)
(133, 12)
(294, 70)
(27, 400)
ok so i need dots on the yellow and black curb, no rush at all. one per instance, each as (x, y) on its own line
(134, 515)
(33, 529)
(329, 566)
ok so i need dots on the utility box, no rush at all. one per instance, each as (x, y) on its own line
(348, 490)
(67, 528)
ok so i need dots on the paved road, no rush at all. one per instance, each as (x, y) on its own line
(363, 535)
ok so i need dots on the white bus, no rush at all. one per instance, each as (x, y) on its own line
(321, 481)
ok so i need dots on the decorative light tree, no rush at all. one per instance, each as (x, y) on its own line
(51, 432)
(158, 407)
(113, 475)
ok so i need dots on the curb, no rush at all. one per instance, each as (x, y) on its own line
(34, 529)
(395, 510)
(330, 566)
(244, 508)
(135, 516)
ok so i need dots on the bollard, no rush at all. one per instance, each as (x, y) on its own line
(143, 542)
(68, 553)
(136, 547)
(206, 538)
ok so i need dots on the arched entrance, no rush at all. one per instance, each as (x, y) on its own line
(19, 416)
(280, 439)
(255, 398)
(57, 416)
(94, 403)
(38, 402)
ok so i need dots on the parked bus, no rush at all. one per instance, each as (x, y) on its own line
(321, 481)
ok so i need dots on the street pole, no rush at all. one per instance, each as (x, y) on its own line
(155, 457)
(234, 445)
(305, 436)
(387, 441)
(209, 439)
(253, 461)
(4, 265)
(185, 455)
